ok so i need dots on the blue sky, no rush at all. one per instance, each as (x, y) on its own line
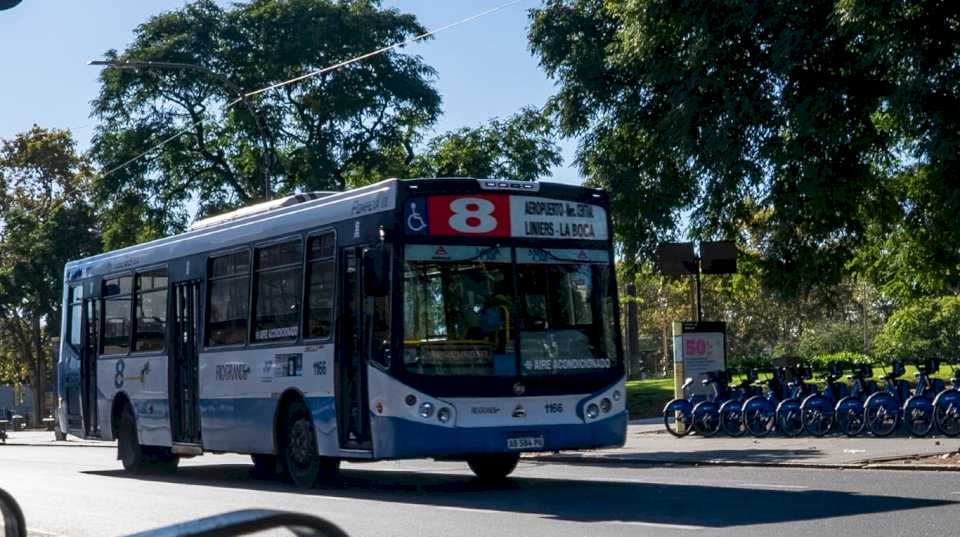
(484, 67)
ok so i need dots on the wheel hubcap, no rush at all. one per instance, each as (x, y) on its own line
(300, 444)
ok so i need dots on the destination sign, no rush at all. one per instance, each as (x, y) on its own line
(503, 215)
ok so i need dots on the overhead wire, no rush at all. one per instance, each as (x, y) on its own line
(314, 73)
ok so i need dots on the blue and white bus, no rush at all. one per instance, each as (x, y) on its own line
(448, 318)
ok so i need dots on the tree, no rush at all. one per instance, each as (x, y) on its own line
(318, 131)
(46, 220)
(927, 328)
(805, 110)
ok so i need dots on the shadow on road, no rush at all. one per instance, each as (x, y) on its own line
(738, 456)
(568, 499)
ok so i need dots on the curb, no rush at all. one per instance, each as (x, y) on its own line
(29, 444)
(865, 465)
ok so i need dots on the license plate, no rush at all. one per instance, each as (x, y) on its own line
(525, 442)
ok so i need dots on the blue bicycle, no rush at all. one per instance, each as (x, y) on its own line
(760, 411)
(849, 410)
(881, 411)
(946, 406)
(678, 413)
(706, 414)
(789, 417)
(731, 412)
(918, 410)
(818, 410)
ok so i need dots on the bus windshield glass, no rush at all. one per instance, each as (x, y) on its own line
(464, 316)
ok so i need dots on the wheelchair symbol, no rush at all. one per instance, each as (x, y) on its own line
(415, 222)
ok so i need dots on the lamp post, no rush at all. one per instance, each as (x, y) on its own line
(233, 88)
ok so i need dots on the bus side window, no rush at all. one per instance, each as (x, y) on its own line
(229, 283)
(116, 314)
(277, 291)
(151, 308)
(73, 322)
(321, 284)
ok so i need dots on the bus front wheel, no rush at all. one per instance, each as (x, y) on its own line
(141, 459)
(493, 467)
(301, 462)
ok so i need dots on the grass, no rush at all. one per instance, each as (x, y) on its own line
(646, 398)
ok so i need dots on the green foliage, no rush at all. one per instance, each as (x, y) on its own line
(845, 359)
(928, 328)
(318, 131)
(831, 337)
(795, 119)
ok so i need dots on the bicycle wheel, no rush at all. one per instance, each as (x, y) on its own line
(881, 414)
(946, 412)
(848, 416)
(759, 416)
(706, 418)
(789, 420)
(678, 417)
(817, 415)
(918, 415)
(731, 418)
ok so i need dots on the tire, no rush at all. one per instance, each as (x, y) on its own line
(759, 416)
(849, 416)
(302, 464)
(264, 463)
(139, 459)
(493, 467)
(678, 417)
(918, 415)
(706, 418)
(817, 415)
(881, 413)
(789, 418)
(731, 418)
(946, 412)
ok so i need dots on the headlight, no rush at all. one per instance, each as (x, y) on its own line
(593, 411)
(443, 415)
(605, 405)
(426, 410)
(616, 395)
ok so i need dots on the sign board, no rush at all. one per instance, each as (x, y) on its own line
(698, 348)
(504, 215)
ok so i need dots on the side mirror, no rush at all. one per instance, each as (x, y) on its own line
(11, 517)
(376, 272)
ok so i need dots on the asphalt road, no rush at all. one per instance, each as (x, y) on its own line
(81, 491)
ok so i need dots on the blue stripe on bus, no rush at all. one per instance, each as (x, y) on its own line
(403, 438)
(245, 425)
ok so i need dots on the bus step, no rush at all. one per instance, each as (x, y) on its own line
(187, 450)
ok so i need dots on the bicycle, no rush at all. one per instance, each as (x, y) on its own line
(881, 411)
(946, 406)
(849, 409)
(706, 414)
(678, 413)
(789, 418)
(760, 411)
(731, 412)
(918, 410)
(818, 410)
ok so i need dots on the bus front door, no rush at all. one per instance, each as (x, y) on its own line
(353, 412)
(184, 303)
(89, 325)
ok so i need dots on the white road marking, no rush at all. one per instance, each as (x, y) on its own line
(660, 525)
(473, 510)
(771, 486)
(34, 532)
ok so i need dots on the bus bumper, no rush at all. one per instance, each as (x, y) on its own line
(402, 438)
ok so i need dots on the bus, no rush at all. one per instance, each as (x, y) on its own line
(456, 319)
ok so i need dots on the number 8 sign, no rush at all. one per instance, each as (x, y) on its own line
(479, 215)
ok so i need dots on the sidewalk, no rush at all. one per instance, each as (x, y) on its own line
(46, 439)
(648, 443)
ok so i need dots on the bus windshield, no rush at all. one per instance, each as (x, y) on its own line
(463, 314)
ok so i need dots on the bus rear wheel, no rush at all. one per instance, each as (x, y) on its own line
(301, 462)
(493, 467)
(140, 459)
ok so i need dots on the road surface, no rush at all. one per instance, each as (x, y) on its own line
(81, 491)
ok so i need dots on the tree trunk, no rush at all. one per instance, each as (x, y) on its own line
(40, 374)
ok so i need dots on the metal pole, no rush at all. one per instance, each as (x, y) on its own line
(699, 307)
(135, 64)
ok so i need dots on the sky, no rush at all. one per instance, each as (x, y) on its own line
(484, 67)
